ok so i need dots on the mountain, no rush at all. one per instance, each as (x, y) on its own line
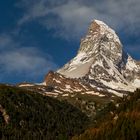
(100, 73)
(102, 63)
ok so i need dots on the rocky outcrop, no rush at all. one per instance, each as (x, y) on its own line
(64, 84)
(4, 114)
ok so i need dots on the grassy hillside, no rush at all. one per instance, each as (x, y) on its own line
(28, 115)
(118, 122)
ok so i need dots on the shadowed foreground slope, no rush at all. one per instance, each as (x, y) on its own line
(28, 115)
(122, 123)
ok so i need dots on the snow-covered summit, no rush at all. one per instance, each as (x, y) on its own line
(104, 28)
(101, 61)
(99, 32)
(100, 41)
(100, 68)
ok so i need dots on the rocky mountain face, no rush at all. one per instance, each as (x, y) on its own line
(102, 63)
(100, 73)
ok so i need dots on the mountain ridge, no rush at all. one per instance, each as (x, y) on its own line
(100, 73)
(101, 69)
(102, 56)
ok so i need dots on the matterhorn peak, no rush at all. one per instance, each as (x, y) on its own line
(98, 37)
(101, 43)
(103, 29)
(101, 60)
(100, 68)
(96, 25)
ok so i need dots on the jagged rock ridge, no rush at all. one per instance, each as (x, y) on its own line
(102, 61)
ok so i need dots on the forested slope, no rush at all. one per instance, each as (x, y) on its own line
(122, 122)
(28, 115)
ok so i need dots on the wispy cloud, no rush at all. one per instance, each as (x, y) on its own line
(6, 42)
(20, 60)
(70, 18)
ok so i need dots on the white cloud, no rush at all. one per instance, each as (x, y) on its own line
(70, 18)
(23, 60)
(26, 61)
(6, 42)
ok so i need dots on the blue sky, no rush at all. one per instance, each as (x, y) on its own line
(41, 35)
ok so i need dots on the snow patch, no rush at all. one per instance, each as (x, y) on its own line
(77, 59)
(58, 91)
(131, 65)
(79, 70)
(115, 93)
(57, 81)
(68, 86)
(136, 83)
(64, 95)
(93, 93)
(51, 93)
(77, 90)
(26, 85)
(41, 84)
(119, 86)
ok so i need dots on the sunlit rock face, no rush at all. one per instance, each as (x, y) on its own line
(102, 61)
(100, 68)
